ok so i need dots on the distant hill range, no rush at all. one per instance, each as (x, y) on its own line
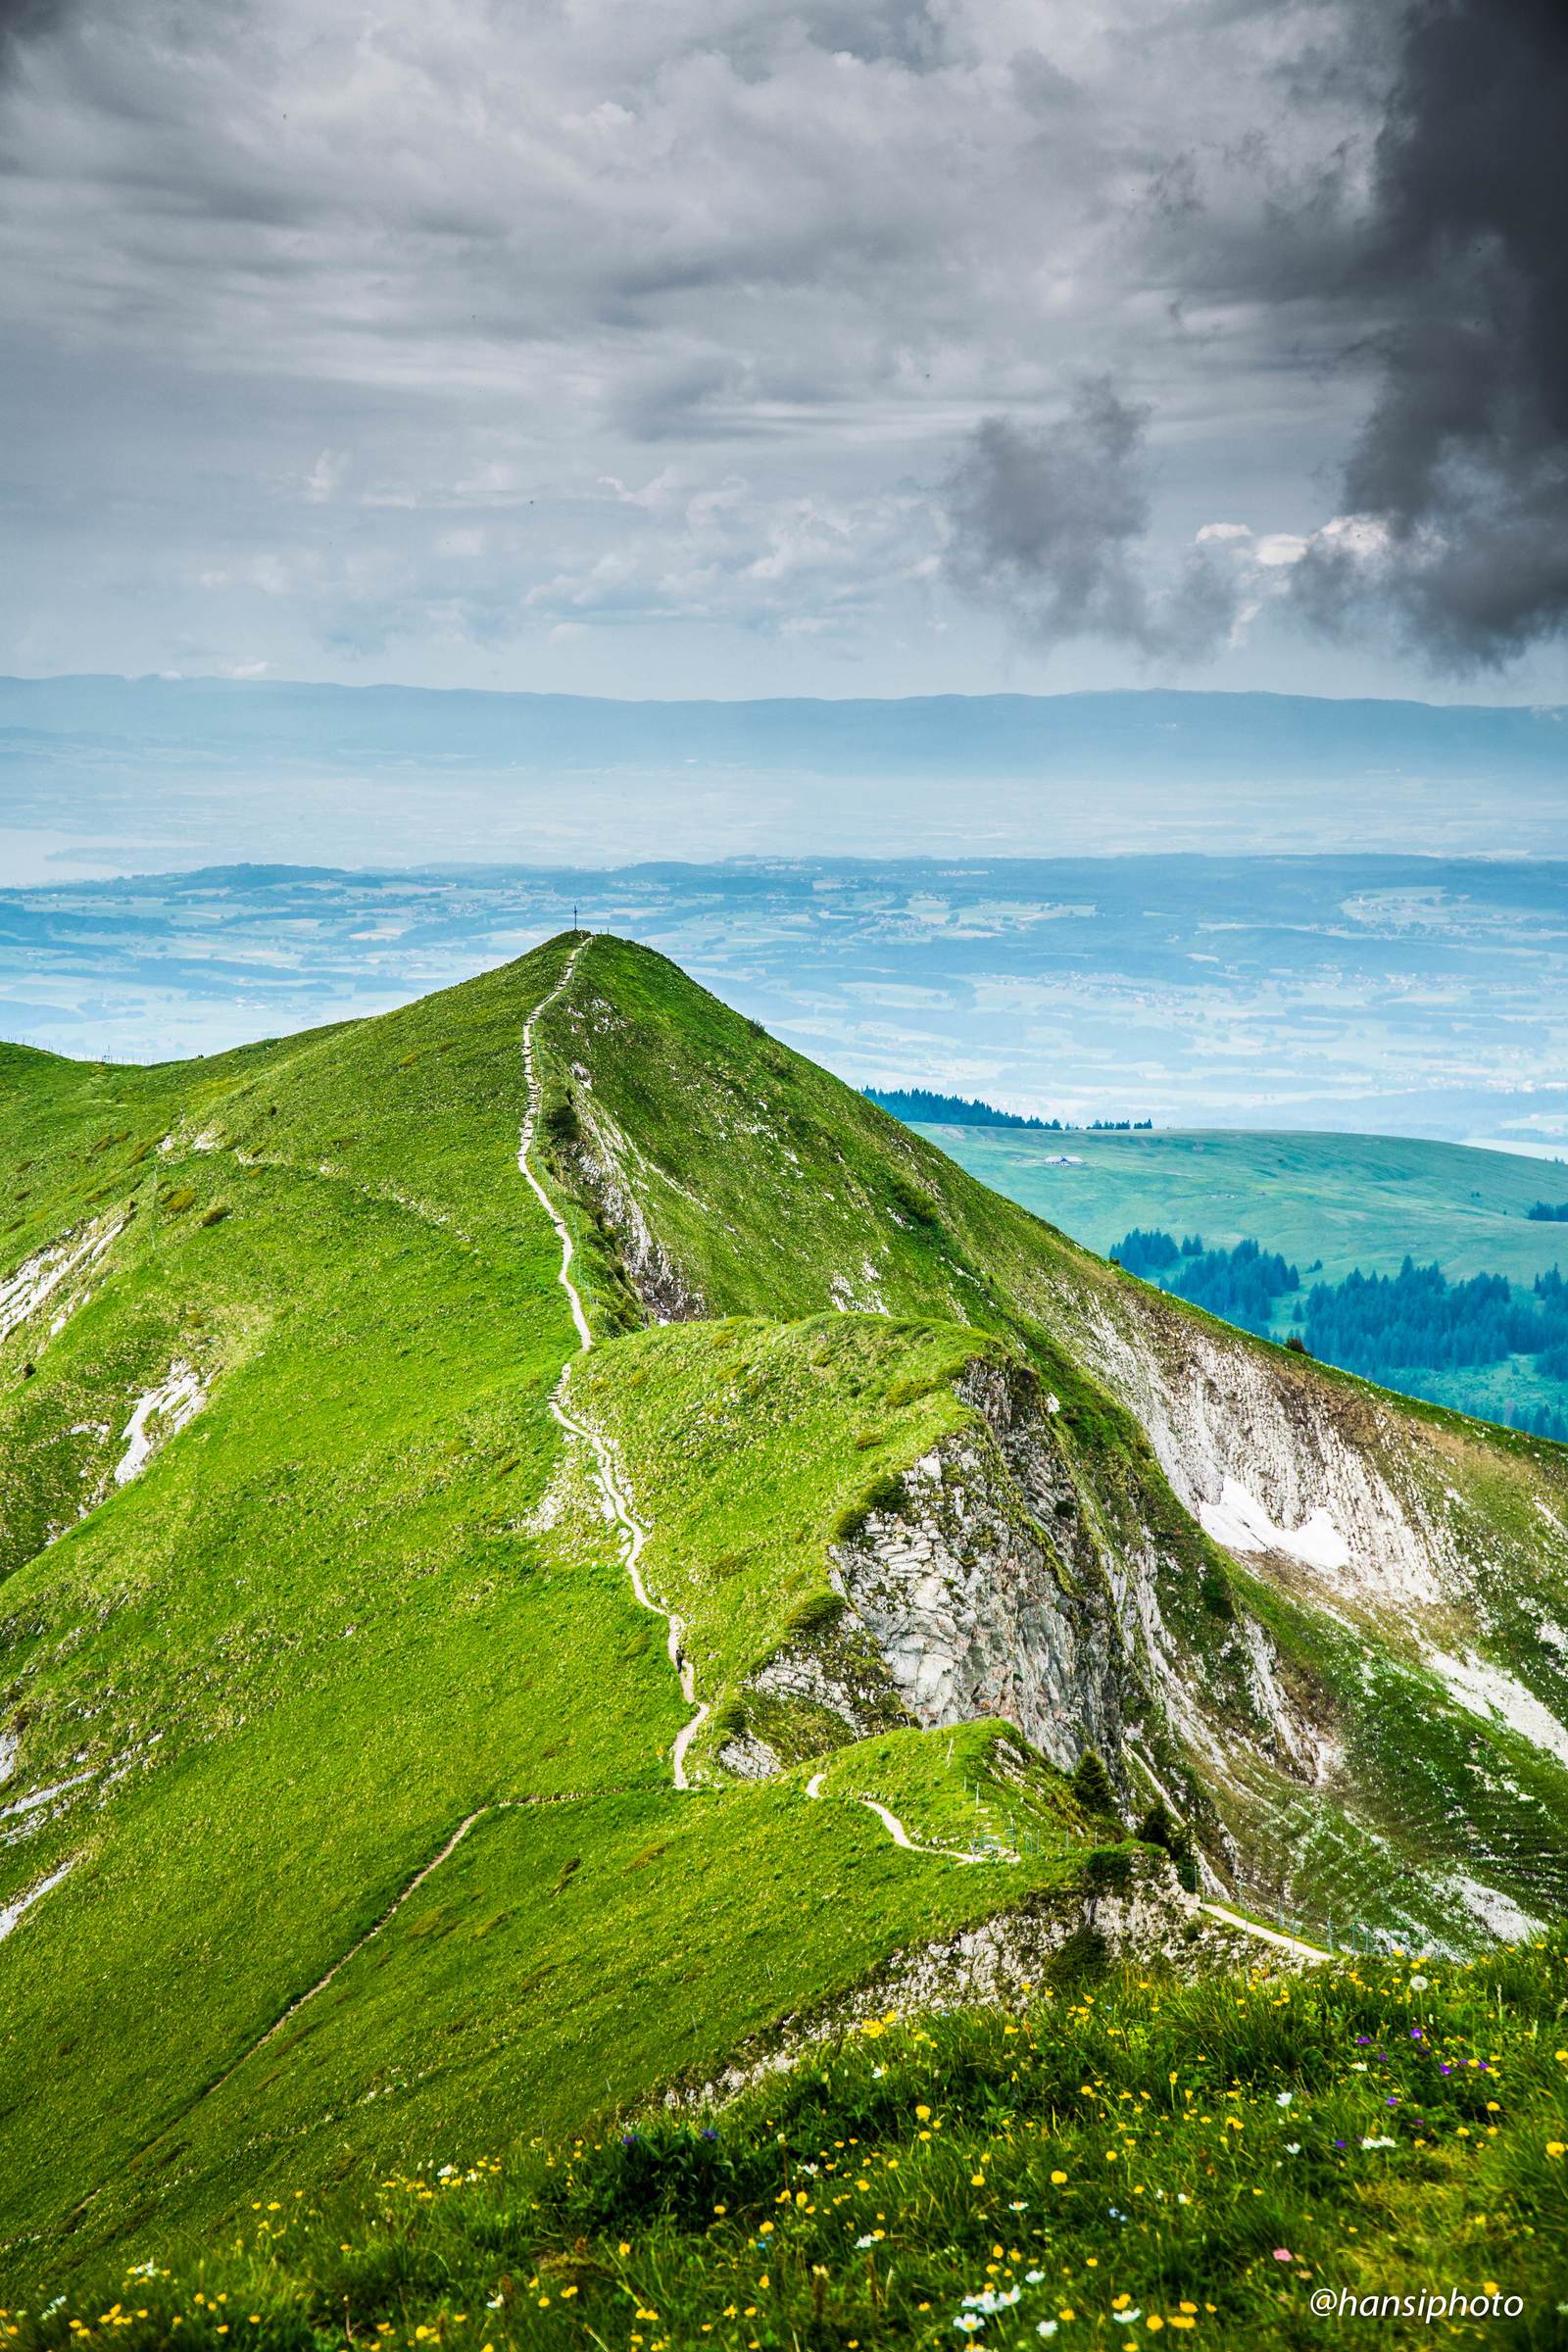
(1208, 738)
(917, 1105)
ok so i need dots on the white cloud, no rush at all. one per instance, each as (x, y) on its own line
(326, 477)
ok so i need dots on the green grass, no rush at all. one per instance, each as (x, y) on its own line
(569, 1956)
(976, 1788)
(755, 1443)
(1119, 2150)
(368, 1595)
(334, 1618)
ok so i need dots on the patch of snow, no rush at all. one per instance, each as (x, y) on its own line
(1495, 1909)
(42, 1796)
(1241, 1523)
(176, 1399)
(1551, 1517)
(1552, 1634)
(1232, 1432)
(1052, 1402)
(11, 1912)
(24, 1292)
(9, 1744)
(1484, 1690)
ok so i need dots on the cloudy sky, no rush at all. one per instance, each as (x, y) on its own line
(724, 347)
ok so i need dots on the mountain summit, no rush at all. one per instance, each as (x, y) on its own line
(548, 1544)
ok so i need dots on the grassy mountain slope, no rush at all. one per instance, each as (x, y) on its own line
(1371, 1593)
(304, 1583)
(254, 1689)
(1068, 2168)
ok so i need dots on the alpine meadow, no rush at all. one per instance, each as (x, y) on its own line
(637, 1714)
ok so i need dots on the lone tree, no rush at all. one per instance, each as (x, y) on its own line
(1091, 1783)
(1159, 1827)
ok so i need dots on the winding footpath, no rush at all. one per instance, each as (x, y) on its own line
(634, 1537)
(618, 1505)
(900, 1835)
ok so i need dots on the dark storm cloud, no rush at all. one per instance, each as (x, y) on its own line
(1050, 524)
(1401, 218)
(24, 21)
(1472, 200)
(1464, 457)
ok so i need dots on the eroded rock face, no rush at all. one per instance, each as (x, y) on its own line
(811, 1696)
(1270, 1463)
(748, 1757)
(600, 1162)
(982, 1592)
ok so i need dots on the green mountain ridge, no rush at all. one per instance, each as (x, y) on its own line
(343, 1749)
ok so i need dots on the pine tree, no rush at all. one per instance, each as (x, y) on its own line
(1159, 1827)
(1092, 1787)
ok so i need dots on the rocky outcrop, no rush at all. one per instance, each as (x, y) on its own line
(598, 1161)
(53, 1271)
(981, 1589)
(815, 1694)
(1002, 1960)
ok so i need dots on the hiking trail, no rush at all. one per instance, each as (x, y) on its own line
(618, 1505)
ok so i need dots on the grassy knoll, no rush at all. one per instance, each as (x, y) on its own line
(568, 1954)
(974, 1788)
(755, 1444)
(1120, 2158)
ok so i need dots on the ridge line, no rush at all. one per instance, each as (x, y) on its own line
(633, 1534)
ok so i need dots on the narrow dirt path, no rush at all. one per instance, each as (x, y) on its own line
(1251, 1927)
(369, 1936)
(632, 1534)
(900, 1835)
(525, 1146)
